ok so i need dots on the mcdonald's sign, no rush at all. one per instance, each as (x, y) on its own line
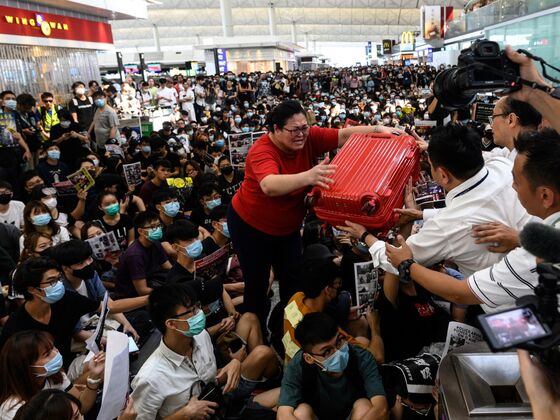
(407, 41)
(387, 44)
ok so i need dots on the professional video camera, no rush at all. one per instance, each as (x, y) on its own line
(534, 324)
(482, 67)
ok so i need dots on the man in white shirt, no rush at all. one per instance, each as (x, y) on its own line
(186, 97)
(510, 118)
(170, 381)
(537, 183)
(167, 96)
(200, 96)
(477, 193)
(11, 211)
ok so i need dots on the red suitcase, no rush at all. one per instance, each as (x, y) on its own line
(369, 182)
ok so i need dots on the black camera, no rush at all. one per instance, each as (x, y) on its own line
(482, 67)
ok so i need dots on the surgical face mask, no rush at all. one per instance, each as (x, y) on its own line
(85, 273)
(213, 203)
(53, 293)
(197, 323)
(220, 143)
(367, 114)
(65, 124)
(195, 249)
(211, 137)
(41, 219)
(338, 361)
(245, 129)
(250, 114)
(146, 149)
(100, 103)
(171, 209)
(53, 154)
(227, 170)
(204, 120)
(10, 104)
(237, 120)
(52, 367)
(50, 202)
(155, 234)
(342, 115)
(386, 121)
(95, 162)
(112, 209)
(225, 229)
(80, 91)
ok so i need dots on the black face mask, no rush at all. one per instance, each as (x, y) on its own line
(227, 170)
(5, 198)
(45, 252)
(85, 273)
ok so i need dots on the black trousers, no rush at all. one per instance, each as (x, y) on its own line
(258, 252)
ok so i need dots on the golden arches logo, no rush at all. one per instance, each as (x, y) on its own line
(407, 38)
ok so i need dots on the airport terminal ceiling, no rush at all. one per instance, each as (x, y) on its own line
(194, 22)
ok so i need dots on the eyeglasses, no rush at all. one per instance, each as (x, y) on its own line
(152, 226)
(191, 312)
(491, 117)
(340, 341)
(48, 101)
(297, 131)
(51, 281)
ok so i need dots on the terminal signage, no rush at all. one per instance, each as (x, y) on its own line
(387, 44)
(407, 41)
(222, 60)
(29, 25)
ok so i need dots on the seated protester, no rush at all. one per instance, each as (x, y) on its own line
(230, 179)
(208, 198)
(129, 203)
(144, 156)
(168, 206)
(220, 232)
(47, 195)
(52, 169)
(321, 285)
(115, 221)
(47, 306)
(144, 262)
(79, 275)
(37, 218)
(50, 404)
(409, 319)
(161, 171)
(330, 378)
(221, 314)
(160, 151)
(170, 381)
(68, 136)
(11, 211)
(30, 179)
(537, 184)
(106, 267)
(31, 362)
(477, 192)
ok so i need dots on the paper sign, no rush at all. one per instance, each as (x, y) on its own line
(459, 334)
(103, 244)
(290, 347)
(81, 179)
(64, 188)
(115, 385)
(114, 150)
(367, 283)
(292, 314)
(133, 173)
(93, 343)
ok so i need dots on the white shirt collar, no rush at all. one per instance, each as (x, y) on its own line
(469, 183)
(175, 358)
(553, 220)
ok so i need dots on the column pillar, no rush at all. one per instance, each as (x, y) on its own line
(227, 25)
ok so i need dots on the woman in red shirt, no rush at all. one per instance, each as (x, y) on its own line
(266, 213)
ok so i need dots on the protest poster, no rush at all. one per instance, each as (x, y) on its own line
(133, 173)
(239, 145)
(64, 188)
(81, 179)
(93, 343)
(114, 150)
(103, 244)
(115, 384)
(417, 373)
(367, 281)
(213, 265)
(482, 111)
(459, 334)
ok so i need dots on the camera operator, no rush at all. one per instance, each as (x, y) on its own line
(537, 183)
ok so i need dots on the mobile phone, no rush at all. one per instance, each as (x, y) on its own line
(132, 346)
(509, 328)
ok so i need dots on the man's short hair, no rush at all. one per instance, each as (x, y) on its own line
(207, 189)
(181, 230)
(6, 185)
(99, 94)
(46, 95)
(163, 194)
(315, 328)
(542, 150)
(527, 115)
(25, 99)
(458, 149)
(157, 143)
(31, 274)
(218, 213)
(162, 163)
(165, 300)
(318, 274)
(144, 217)
(71, 252)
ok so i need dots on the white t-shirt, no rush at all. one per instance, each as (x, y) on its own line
(168, 97)
(14, 215)
(189, 95)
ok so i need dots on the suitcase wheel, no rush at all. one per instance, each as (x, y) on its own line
(369, 207)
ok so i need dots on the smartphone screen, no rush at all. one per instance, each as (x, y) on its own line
(515, 326)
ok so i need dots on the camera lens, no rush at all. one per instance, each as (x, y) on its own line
(449, 88)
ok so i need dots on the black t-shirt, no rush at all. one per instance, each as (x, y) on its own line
(171, 157)
(71, 150)
(52, 173)
(65, 314)
(228, 189)
(209, 246)
(145, 161)
(200, 218)
(415, 323)
(121, 230)
(84, 110)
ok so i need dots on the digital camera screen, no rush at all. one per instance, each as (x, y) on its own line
(515, 326)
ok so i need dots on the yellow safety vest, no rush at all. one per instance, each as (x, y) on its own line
(49, 120)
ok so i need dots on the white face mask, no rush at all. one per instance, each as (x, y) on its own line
(80, 91)
(65, 124)
(51, 203)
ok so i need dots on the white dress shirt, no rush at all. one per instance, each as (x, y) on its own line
(447, 235)
(163, 384)
(514, 276)
(168, 96)
(500, 152)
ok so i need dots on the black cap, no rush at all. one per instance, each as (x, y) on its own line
(317, 252)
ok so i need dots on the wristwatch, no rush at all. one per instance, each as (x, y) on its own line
(93, 382)
(364, 236)
(404, 270)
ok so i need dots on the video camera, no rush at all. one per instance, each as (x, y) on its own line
(534, 324)
(482, 67)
